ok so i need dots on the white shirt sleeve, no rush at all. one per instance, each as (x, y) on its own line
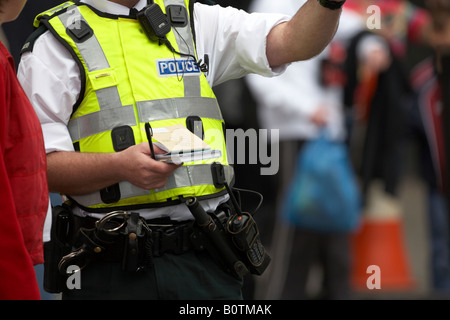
(51, 79)
(235, 41)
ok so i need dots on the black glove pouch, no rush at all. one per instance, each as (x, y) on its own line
(58, 246)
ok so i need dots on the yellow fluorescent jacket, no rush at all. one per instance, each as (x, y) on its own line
(129, 80)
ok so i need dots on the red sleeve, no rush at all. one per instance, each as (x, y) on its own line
(17, 275)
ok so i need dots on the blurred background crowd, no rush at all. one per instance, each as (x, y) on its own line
(381, 89)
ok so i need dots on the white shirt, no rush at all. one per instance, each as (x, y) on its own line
(234, 40)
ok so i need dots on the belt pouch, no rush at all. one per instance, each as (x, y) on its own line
(133, 237)
(58, 246)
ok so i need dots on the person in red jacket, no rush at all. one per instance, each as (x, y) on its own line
(23, 179)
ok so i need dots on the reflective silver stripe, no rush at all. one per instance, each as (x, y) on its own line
(185, 41)
(90, 50)
(93, 56)
(176, 108)
(108, 98)
(197, 175)
(101, 121)
(186, 176)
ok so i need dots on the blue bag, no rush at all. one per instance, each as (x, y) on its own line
(324, 194)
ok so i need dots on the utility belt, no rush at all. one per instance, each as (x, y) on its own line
(112, 235)
(229, 236)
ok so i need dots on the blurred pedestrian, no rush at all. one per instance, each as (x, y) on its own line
(426, 129)
(379, 93)
(23, 182)
(430, 81)
(300, 104)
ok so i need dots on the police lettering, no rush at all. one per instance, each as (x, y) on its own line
(177, 67)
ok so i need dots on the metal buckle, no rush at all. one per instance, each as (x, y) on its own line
(100, 224)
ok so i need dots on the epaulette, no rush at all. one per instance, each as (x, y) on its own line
(29, 43)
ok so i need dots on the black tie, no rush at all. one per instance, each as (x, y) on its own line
(133, 13)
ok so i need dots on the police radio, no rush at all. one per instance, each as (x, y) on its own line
(245, 236)
(239, 231)
(155, 23)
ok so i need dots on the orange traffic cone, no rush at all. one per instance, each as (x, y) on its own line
(378, 246)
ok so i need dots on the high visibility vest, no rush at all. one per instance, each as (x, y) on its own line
(129, 80)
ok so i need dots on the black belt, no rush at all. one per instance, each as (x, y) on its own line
(171, 239)
(161, 237)
(168, 236)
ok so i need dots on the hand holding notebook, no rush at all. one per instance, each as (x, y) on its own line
(181, 145)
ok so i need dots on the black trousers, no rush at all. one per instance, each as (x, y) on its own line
(189, 276)
(326, 251)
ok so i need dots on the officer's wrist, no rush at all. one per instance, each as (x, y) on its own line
(332, 5)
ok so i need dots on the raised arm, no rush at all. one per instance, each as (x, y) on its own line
(305, 36)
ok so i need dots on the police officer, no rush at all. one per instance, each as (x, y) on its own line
(97, 75)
